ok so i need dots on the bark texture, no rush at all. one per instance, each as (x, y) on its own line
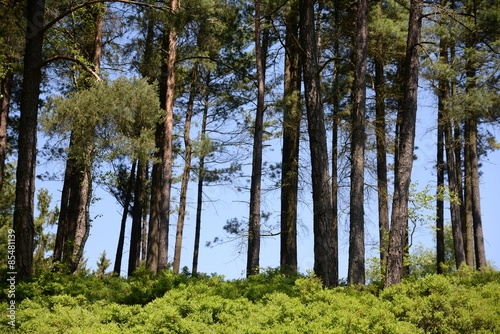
(28, 121)
(399, 215)
(322, 196)
(356, 267)
(291, 135)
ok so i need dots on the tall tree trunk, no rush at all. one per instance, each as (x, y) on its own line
(453, 185)
(399, 216)
(440, 167)
(136, 235)
(322, 196)
(145, 212)
(256, 179)
(471, 157)
(466, 207)
(62, 234)
(74, 221)
(155, 204)
(201, 179)
(471, 134)
(356, 268)
(121, 238)
(291, 135)
(80, 192)
(335, 128)
(167, 97)
(382, 187)
(28, 121)
(186, 172)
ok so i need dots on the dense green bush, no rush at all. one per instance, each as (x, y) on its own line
(465, 302)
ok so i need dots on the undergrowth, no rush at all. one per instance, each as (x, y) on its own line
(271, 302)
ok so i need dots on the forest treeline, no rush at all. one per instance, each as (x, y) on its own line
(116, 88)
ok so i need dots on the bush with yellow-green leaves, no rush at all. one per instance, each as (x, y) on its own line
(464, 302)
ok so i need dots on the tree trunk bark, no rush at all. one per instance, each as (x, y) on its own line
(399, 216)
(167, 97)
(121, 238)
(136, 235)
(201, 179)
(256, 179)
(472, 160)
(28, 121)
(356, 268)
(471, 131)
(291, 135)
(440, 167)
(453, 185)
(186, 172)
(155, 204)
(322, 196)
(380, 130)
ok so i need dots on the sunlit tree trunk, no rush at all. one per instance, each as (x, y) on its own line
(186, 172)
(471, 158)
(321, 187)
(399, 215)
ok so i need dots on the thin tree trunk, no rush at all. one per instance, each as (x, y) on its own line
(155, 203)
(335, 128)
(452, 167)
(399, 216)
(62, 234)
(186, 172)
(440, 167)
(322, 196)
(201, 179)
(144, 233)
(135, 235)
(382, 187)
(256, 179)
(291, 135)
(356, 268)
(467, 204)
(121, 238)
(453, 185)
(28, 121)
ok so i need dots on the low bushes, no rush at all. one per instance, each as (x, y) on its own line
(465, 302)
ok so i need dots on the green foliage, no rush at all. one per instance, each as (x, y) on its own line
(120, 117)
(271, 302)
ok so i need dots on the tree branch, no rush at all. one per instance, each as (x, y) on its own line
(91, 2)
(75, 60)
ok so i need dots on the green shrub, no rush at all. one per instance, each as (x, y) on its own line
(272, 302)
